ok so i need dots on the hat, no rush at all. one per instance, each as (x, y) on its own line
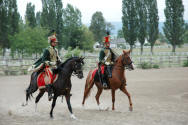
(52, 38)
(107, 39)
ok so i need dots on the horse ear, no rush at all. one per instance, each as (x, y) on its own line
(129, 51)
(124, 51)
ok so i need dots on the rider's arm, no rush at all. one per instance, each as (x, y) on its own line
(101, 56)
(44, 57)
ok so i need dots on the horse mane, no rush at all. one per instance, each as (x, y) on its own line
(60, 66)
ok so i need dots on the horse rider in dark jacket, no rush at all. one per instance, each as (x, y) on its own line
(106, 59)
(49, 60)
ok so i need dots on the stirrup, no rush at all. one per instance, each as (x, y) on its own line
(105, 85)
(50, 97)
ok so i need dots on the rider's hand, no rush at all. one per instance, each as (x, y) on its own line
(52, 63)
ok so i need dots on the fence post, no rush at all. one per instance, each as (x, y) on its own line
(169, 61)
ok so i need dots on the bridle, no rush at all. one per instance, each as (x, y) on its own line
(76, 68)
(125, 63)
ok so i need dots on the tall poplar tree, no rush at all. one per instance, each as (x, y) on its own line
(174, 27)
(130, 21)
(72, 34)
(152, 22)
(9, 22)
(142, 22)
(52, 17)
(30, 15)
(98, 26)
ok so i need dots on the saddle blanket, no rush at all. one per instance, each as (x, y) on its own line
(46, 77)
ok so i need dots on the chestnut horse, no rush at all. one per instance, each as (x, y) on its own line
(118, 80)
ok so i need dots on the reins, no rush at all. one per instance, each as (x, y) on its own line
(124, 65)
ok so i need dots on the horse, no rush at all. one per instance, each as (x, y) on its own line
(118, 80)
(62, 86)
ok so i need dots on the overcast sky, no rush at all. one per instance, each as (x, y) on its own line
(111, 9)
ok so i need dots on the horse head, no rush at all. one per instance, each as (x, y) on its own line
(126, 60)
(77, 67)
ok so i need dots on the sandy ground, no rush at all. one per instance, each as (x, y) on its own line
(160, 97)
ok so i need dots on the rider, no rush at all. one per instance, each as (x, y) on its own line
(106, 59)
(50, 59)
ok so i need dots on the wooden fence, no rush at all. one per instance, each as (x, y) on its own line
(20, 66)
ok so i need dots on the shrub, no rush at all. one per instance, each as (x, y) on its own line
(72, 53)
(185, 64)
(145, 65)
(155, 66)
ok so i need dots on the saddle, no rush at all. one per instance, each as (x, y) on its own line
(46, 77)
(96, 74)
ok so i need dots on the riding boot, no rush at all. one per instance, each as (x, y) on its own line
(109, 70)
(50, 91)
(104, 81)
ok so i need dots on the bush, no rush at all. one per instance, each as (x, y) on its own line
(185, 64)
(145, 65)
(155, 66)
(72, 53)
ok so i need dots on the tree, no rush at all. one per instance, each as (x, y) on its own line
(9, 18)
(152, 22)
(120, 33)
(174, 27)
(87, 41)
(48, 16)
(59, 22)
(185, 36)
(142, 22)
(13, 17)
(72, 33)
(4, 25)
(51, 17)
(109, 26)
(162, 38)
(30, 15)
(29, 41)
(130, 21)
(98, 26)
(38, 18)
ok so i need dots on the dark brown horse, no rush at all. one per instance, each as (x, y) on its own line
(118, 80)
(62, 86)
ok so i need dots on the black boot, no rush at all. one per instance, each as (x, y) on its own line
(49, 89)
(104, 83)
(109, 70)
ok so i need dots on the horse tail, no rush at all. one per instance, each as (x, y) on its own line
(32, 86)
(88, 85)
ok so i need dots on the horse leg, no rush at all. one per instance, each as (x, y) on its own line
(113, 98)
(69, 106)
(99, 91)
(53, 105)
(124, 90)
(41, 93)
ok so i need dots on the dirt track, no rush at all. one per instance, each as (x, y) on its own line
(160, 97)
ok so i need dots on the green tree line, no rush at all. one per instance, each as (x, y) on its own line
(28, 35)
(140, 23)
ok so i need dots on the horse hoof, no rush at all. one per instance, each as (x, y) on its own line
(51, 116)
(131, 109)
(73, 117)
(103, 108)
(24, 104)
(107, 108)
